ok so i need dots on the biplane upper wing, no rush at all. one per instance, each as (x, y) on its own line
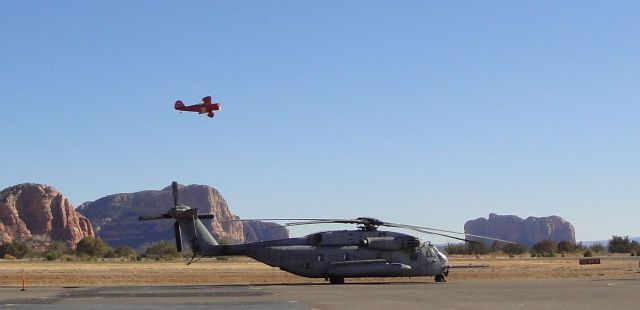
(207, 100)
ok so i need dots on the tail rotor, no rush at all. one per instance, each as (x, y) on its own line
(180, 213)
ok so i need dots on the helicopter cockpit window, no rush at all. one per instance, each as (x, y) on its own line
(431, 252)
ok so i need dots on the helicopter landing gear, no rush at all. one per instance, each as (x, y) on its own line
(336, 280)
(440, 278)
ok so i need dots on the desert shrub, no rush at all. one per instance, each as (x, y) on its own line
(597, 248)
(618, 244)
(52, 255)
(162, 250)
(587, 253)
(470, 248)
(92, 247)
(544, 248)
(110, 254)
(15, 249)
(60, 246)
(125, 251)
(635, 248)
(514, 249)
(476, 248)
(456, 249)
(497, 246)
(56, 250)
(566, 246)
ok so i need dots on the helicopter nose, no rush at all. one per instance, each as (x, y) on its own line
(443, 258)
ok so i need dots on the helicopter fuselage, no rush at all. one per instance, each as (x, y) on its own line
(348, 253)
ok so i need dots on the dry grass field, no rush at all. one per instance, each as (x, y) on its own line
(241, 270)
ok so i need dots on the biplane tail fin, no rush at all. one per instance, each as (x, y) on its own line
(179, 104)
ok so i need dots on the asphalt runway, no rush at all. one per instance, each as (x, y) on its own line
(495, 294)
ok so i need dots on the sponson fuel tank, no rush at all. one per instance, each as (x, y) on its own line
(370, 268)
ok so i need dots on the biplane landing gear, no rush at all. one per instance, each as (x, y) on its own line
(440, 278)
(336, 280)
(210, 114)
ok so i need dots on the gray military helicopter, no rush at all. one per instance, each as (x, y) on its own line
(333, 255)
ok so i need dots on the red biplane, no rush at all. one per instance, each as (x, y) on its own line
(206, 106)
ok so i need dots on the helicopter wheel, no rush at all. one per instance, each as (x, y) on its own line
(440, 278)
(336, 280)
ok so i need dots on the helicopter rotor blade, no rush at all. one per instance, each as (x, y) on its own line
(174, 187)
(178, 234)
(300, 224)
(372, 222)
(448, 236)
(154, 217)
(425, 229)
(307, 223)
(279, 219)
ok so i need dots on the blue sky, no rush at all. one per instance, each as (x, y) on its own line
(427, 113)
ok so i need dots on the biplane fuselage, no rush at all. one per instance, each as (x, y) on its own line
(206, 107)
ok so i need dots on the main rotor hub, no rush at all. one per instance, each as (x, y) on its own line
(369, 223)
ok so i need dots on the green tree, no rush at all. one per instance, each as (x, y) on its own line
(125, 251)
(635, 248)
(514, 249)
(455, 249)
(56, 249)
(15, 249)
(162, 250)
(477, 248)
(597, 248)
(566, 246)
(618, 244)
(94, 247)
(545, 248)
(498, 246)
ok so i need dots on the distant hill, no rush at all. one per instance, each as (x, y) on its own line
(524, 231)
(115, 217)
(36, 214)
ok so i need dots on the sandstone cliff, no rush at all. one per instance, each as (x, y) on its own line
(527, 231)
(115, 217)
(37, 214)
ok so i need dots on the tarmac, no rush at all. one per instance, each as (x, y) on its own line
(469, 294)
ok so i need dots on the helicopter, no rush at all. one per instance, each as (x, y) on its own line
(332, 255)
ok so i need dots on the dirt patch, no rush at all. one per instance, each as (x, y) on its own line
(241, 270)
